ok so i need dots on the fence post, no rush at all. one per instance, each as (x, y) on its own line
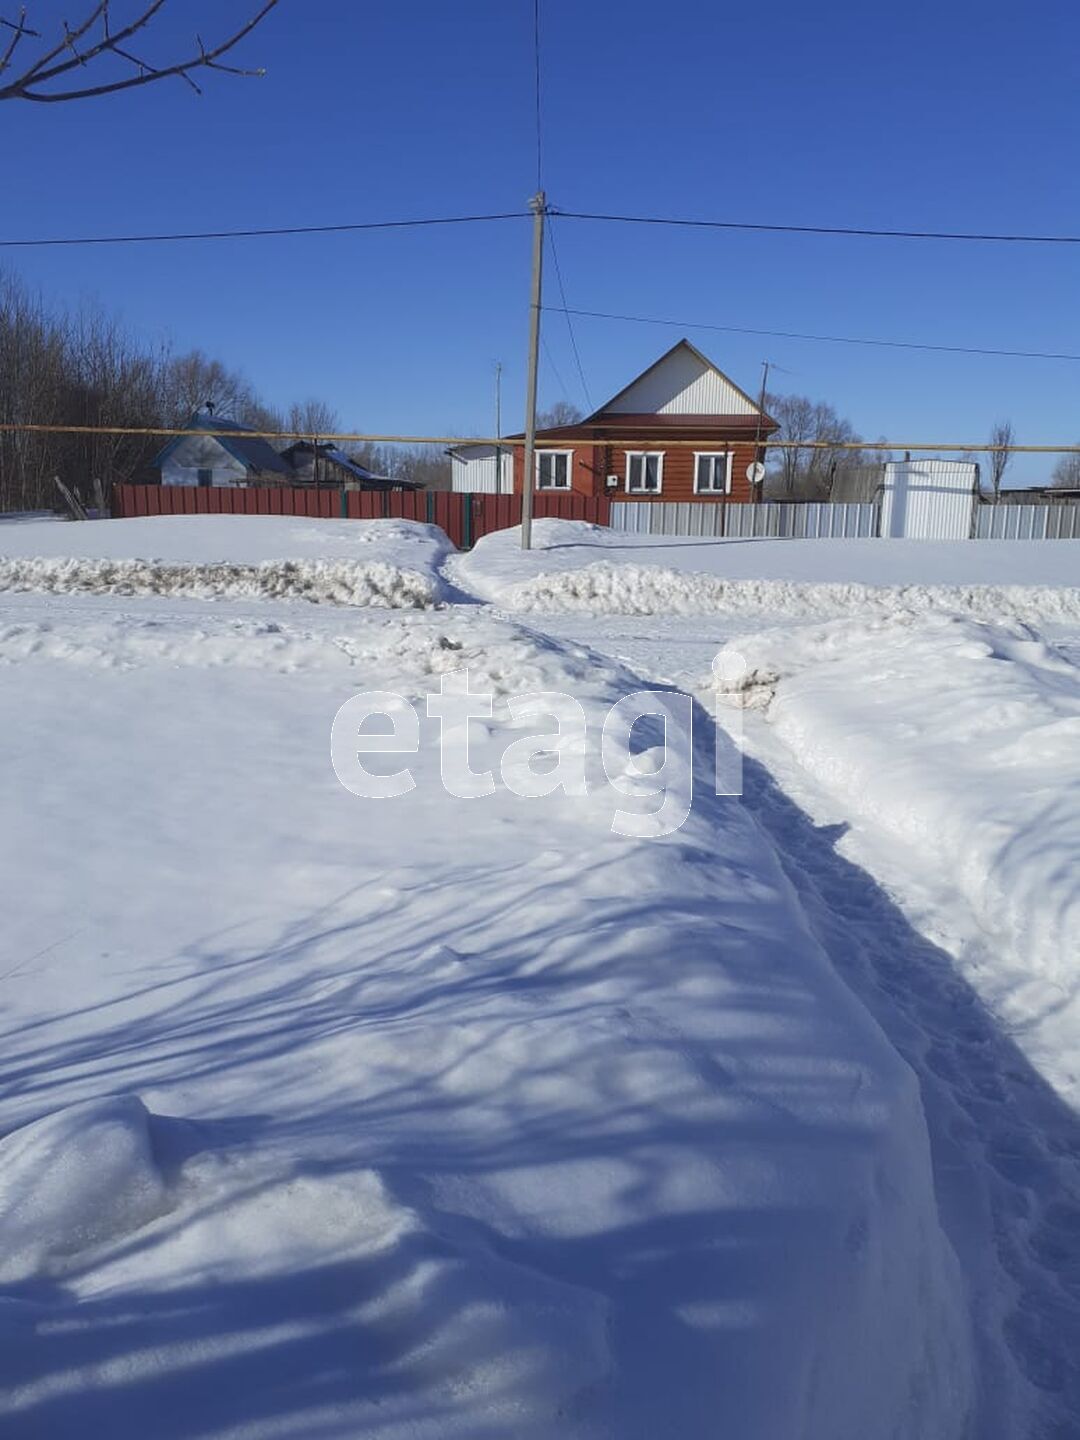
(344, 502)
(467, 523)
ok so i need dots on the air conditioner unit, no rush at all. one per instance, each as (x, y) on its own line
(613, 482)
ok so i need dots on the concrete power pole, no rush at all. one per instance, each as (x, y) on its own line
(538, 205)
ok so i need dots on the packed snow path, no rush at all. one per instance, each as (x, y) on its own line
(589, 1157)
(1006, 1147)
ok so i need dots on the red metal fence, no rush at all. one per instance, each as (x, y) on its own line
(465, 518)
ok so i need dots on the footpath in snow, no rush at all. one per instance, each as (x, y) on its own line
(917, 774)
(428, 1117)
(446, 1117)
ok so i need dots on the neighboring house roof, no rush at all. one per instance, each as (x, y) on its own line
(333, 456)
(1037, 494)
(668, 387)
(253, 452)
(683, 392)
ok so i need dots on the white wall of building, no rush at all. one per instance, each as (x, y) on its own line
(473, 471)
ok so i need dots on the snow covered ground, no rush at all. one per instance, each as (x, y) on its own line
(439, 1117)
(583, 568)
(393, 564)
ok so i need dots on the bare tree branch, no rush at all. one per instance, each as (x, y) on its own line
(1000, 436)
(19, 31)
(77, 50)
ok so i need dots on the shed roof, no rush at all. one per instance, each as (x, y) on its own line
(251, 450)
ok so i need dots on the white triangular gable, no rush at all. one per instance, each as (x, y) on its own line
(682, 383)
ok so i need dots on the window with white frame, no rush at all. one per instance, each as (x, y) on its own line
(712, 472)
(553, 469)
(644, 472)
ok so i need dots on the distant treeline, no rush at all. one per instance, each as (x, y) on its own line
(60, 367)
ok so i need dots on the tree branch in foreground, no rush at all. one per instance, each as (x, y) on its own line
(93, 40)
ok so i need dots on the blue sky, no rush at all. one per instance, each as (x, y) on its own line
(944, 116)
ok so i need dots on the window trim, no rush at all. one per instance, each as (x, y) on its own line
(714, 455)
(555, 489)
(645, 454)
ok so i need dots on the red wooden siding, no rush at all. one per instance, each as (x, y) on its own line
(592, 465)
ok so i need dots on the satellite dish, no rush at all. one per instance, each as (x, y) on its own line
(755, 472)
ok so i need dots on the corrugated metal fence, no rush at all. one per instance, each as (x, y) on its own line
(780, 520)
(1027, 522)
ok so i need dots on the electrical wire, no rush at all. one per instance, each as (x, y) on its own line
(863, 232)
(823, 339)
(569, 322)
(262, 233)
(554, 368)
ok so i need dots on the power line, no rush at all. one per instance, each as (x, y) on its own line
(863, 232)
(268, 231)
(823, 339)
(551, 361)
(539, 127)
(569, 321)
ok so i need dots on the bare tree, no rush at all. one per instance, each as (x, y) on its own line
(312, 417)
(806, 473)
(1066, 473)
(92, 48)
(561, 413)
(1001, 434)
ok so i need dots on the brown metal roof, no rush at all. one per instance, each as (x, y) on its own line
(655, 427)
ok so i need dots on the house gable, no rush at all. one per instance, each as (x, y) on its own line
(682, 382)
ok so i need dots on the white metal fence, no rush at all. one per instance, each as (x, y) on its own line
(719, 519)
(1028, 522)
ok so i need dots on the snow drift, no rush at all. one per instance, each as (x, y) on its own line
(507, 1125)
(629, 589)
(327, 582)
(579, 568)
(962, 741)
(73, 1180)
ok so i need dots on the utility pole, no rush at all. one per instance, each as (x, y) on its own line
(538, 205)
(498, 427)
(760, 489)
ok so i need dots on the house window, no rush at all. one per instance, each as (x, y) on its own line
(644, 472)
(712, 473)
(553, 469)
(206, 477)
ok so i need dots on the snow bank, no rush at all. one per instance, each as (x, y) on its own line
(961, 740)
(646, 590)
(498, 560)
(242, 539)
(391, 564)
(586, 568)
(327, 582)
(73, 1180)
